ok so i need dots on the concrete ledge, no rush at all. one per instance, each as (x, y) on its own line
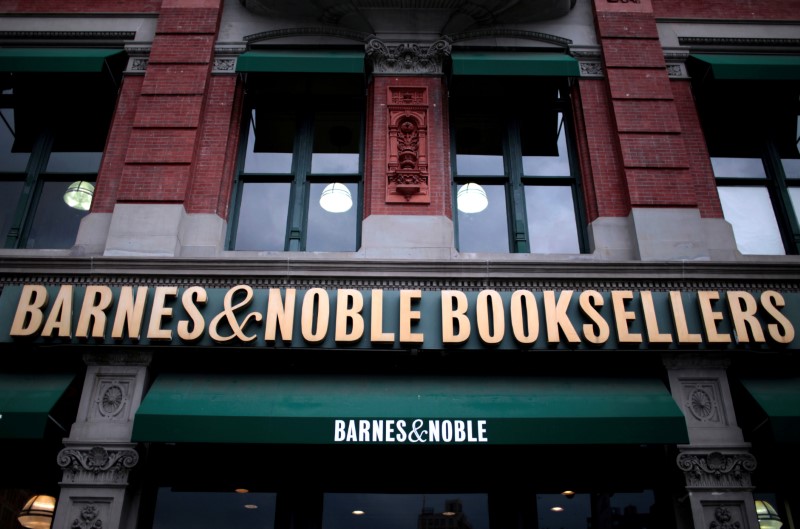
(407, 237)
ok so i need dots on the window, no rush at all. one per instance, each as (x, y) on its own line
(512, 151)
(752, 133)
(300, 172)
(53, 129)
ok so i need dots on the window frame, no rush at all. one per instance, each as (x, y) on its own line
(514, 179)
(300, 176)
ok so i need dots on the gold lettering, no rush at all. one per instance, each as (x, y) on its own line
(745, 316)
(453, 316)
(622, 317)
(555, 314)
(60, 318)
(705, 299)
(96, 301)
(160, 312)
(376, 320)
(679, 317)
(130, 313)
(408, 316)
(29, 316)
(651, 319)
(315, 297)
(524, 315)
(349, 304)
(491, 317)
(190, 298)
(598, 331)
(782, 330)
(280, 313)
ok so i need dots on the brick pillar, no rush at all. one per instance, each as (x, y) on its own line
(407, 205)
(656, 166)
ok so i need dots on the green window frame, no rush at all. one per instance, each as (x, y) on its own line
(752, 131)
(50, 139)
(513, 136)
(301, 134)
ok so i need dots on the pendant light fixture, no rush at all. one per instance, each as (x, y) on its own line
(37, 512)
(336, 198)
(767, 516)
(471, 198)
(79, 195)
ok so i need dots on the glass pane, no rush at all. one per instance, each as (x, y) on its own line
(336, 143)
(749, 210)
(405, 511)
(331, 232)
(54, 224)
(791, 159)
(552, 227)
(270, 143)
(213, 510)
(74, 162)
(263, 214)
(794, 196)
(479, 146)
(9, 198)
(556, 511)
(485, 231)
(544, 148)
(738, 167)
(10, 162)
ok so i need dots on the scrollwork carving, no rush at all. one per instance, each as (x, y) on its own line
(717, 470)
(407, 58)
(89, 518)
(97, 463)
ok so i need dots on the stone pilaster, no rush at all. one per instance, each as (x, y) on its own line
(98, 455)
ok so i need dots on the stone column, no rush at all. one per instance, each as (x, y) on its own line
(717, 462)
(98, 454)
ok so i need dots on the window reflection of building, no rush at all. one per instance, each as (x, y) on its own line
(452, 517)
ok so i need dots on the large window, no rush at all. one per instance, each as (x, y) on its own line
(752, 133)
(300, 170)
(515, 179)
(53, 129)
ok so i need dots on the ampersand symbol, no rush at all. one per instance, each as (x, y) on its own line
(230, 314)
(416, 434)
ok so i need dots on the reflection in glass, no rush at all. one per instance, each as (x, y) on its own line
(336, 143)
(486, 231)
(552, 227)
(725, 167)
(538, 163)
(794, 196)
(327, 231)
(9, 197)
(263, 214)
(749, 210)
(54, 224)
(213, 510)
(74, 162)
(479, 164)
(556, 511)
(270, 145)
(10, 162)
(791, 159)
(405, 511)
(479, 146)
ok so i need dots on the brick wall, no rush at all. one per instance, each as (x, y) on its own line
(79, 6)
(729, 9)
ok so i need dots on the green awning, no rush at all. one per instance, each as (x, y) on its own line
(780, 400)
(52, 60)
(751, 67)
(338, 410)
(26, 401)
(301, 61)
(527, 63)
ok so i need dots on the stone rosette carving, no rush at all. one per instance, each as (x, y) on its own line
(722, 519)
(716, 470)
(702, 402)
(410, 59)
(97, 464)
(88, 518)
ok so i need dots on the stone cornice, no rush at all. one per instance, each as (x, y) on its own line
(299, 269)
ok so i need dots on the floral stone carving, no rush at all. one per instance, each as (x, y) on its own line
(407, 167)
(717, 470)
(97, 464)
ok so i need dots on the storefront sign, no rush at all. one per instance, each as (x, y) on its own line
(410, 431)
(546, 319)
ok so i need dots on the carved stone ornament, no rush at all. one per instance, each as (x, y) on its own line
(408, 59)
(97, 464)
(722, 520)
(717, 470)
(702, 401)
(89, 518)
(407, 167)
